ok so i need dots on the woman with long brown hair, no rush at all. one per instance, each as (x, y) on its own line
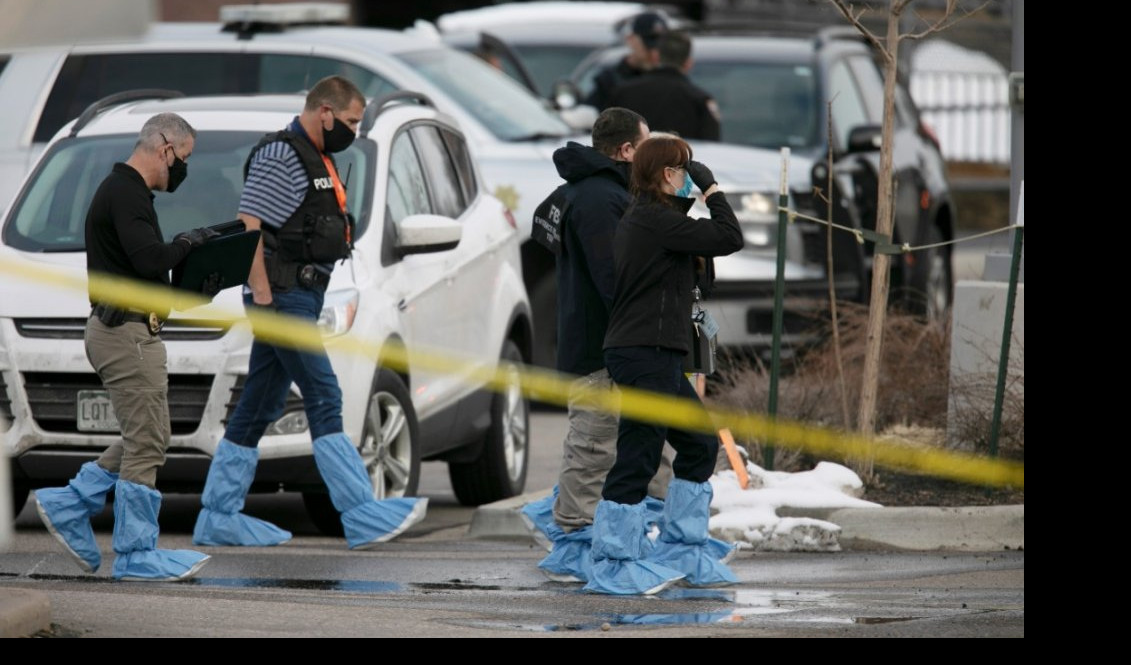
(655, 255)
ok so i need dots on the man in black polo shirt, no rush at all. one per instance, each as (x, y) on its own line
(123, 239)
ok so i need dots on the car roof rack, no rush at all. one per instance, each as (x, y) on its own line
(834, 33)
(375, 107)
(760, 28)
(117, 98)
(248, 20)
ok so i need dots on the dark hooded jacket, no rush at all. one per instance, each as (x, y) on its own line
(655, 253)
(597, 194)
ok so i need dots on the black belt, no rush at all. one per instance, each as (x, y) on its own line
(113, 317)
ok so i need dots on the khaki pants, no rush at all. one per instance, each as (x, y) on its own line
(589, 450)
(132, 365)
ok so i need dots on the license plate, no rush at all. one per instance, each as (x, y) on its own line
(95, 412)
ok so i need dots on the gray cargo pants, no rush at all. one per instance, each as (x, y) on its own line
(132, 365)
(589, 450)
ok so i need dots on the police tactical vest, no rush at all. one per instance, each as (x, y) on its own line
(318, 231)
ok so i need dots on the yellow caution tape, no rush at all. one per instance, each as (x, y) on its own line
(542, 384)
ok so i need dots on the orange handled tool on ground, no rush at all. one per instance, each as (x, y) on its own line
(727, 438)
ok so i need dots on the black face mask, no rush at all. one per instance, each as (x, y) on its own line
(177, 174)
(337, 139)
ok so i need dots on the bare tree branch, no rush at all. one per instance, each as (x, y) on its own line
(853, 17)
(946, 20)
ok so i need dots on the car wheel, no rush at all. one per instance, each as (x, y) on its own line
(389, 447)
(932, 279)
(500, 471)
(20, 493)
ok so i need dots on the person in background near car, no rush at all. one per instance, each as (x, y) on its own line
(643, 40)
(667, 98)
(292, 192)
(124, 240)
(489, 53)
(654, 253)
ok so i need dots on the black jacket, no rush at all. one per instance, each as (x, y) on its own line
(655, 249)
(122, 234)
(597, 194)
(670, 102)
(609, 79)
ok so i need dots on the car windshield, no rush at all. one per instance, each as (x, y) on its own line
(504, 107)
(50, 214)
(549, 63)
(769, 105)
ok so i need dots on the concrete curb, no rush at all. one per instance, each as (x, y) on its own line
(23, 612)
(925, 528)
(961, 529)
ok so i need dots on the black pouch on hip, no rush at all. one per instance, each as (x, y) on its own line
(111, 317)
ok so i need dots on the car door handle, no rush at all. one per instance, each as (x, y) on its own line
(402, 305)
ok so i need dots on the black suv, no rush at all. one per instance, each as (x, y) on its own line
(775, 91)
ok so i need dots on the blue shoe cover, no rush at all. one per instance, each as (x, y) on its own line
(66, 512)
(220, 521)
(720, 549)
(538, 516)
(365, 520)
(653, 512)
(377, 522)
(618, 565)
(569, 559)
(135, 540)
(683, 543)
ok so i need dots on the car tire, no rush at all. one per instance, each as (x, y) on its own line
(20, 492)
(500, 471)
(932, 278)
(389, 446)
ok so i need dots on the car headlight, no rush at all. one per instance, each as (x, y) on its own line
(757, 204)
(292, 422)
(759, 235)
(338, 311)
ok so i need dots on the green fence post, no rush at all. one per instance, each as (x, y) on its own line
(1007, 331)
(779, 298)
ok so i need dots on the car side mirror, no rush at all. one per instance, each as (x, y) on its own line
(579, 118)
(865, 138)
(422, 234)
(566, 94)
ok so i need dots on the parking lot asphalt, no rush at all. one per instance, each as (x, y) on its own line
(24, 612)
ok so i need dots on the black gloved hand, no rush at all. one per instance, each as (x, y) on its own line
(700, 175)
(196, 237)
(212, 284)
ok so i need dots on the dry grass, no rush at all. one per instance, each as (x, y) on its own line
(912, 399)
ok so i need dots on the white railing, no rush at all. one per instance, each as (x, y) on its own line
(964, 97)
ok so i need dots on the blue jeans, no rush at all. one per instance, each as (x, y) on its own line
(640, 444)
(270, 371)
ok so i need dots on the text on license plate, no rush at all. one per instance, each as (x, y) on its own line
(95, 413)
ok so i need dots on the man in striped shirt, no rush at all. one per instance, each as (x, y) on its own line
(293, 194)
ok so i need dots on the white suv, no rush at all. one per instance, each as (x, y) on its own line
(436, 266)
(258, 49)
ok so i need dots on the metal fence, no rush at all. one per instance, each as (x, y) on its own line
(969, 112)
(964, 97)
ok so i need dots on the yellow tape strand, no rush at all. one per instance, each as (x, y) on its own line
(543, 384)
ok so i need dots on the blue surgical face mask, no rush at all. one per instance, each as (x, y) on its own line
(685, 191)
